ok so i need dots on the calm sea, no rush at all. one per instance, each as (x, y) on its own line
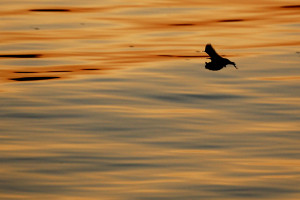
(110, 100)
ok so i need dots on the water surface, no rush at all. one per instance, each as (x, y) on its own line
(110, 100)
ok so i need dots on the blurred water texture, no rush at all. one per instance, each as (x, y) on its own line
(110, 100)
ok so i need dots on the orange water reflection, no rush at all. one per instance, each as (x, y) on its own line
(110, 100)
(116, 34)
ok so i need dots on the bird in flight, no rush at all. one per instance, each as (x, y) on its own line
(217, 61)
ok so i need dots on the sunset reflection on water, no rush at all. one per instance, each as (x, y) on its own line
(111, 100)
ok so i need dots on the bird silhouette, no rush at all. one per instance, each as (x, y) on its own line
(217, 61)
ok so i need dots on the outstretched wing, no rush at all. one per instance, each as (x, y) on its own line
(211, 51)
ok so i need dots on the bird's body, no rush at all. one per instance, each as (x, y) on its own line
(217, 61)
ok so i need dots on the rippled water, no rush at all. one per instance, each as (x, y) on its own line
(110, 100)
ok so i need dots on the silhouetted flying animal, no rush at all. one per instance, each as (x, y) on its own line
(217, 61)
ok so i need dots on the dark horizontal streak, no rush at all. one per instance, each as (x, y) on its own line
(21, 56)
(91, 69)
(34, 78)
(291, 6)
(59, 71)
(231, 20)
(182, 56)
(25, 72)
(182, 24)
(50, 10)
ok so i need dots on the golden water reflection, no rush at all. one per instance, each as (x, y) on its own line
(110, 100)
(110, 35)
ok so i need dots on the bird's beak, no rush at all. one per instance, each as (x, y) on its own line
(234, 65)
